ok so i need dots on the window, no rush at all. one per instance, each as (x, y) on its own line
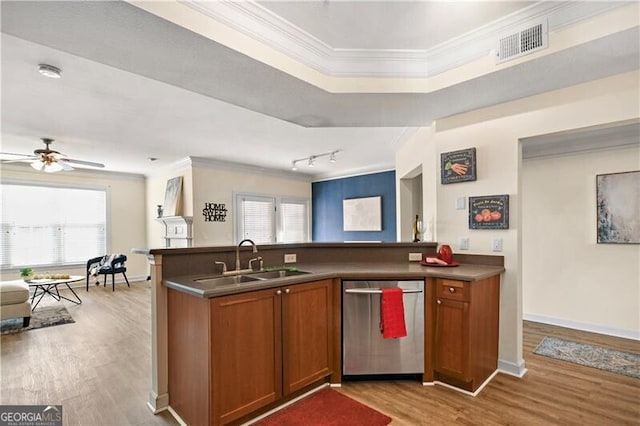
(51, 226)
(268, 219)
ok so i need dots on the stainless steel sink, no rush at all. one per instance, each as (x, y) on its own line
(227, 280)
(276, 274)
(245, 278)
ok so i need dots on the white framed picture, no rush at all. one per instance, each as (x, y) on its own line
(362, 214)
(172, 197)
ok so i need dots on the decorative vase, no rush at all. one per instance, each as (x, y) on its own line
(159, 210)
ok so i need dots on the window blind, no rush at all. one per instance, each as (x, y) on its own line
(268, 219)
(258, 219)
(293, 217)
(51, 226)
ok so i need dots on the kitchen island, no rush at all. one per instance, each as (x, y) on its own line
(238, 349)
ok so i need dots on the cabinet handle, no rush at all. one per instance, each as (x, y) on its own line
(452, 290)
(438, 302)
(278, 292)
(286, 290)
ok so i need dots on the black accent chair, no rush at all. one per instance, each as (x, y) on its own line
(116, 266)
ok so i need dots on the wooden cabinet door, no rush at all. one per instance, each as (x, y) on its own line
(307, 341)
(246, 353)
(452, 338)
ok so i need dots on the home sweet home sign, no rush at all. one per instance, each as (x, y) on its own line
(215, 212)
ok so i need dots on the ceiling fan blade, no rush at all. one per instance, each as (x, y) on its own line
(80, 162)
(66, 167)
(12, 156)
(21, 160)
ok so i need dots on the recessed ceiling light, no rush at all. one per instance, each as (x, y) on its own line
(49, 71)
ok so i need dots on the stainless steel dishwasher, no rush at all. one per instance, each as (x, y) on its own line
(364, 350)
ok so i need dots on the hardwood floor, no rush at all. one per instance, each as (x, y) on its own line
(551, 393)
(99, 370)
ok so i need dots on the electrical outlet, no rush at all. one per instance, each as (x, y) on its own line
(497, 244)
(290, 258)
(415, 257)
(464, 243)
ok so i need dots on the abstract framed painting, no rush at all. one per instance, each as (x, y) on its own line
(172, 196)
(618, 208)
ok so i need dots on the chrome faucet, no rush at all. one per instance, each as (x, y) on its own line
(255, 250)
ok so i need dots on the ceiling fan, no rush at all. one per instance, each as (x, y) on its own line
(47, 159)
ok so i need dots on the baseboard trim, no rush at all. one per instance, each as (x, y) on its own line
(119, 280)
(286, 404)
(158, 403)
(577, 325)
(512, 369)
(177, 417)
(464, 391)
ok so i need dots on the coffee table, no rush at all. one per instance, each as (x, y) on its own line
(50, 286)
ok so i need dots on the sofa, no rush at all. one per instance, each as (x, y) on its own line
(14, 301)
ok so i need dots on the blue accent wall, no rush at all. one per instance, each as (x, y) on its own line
(327, 199)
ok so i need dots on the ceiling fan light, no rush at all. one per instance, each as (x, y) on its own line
(49, 71)
(52, 167)
(38, 165)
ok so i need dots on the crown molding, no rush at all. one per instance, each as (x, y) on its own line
(177, 166)
(262, 25)
(246, 168)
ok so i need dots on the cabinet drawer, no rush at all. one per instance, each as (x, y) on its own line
(451, 289)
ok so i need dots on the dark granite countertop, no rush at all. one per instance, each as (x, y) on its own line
(345, 271)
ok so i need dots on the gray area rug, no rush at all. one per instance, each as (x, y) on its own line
(626, 363)
(43, 316)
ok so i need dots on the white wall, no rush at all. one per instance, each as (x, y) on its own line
(567, 278)
(216, 184)
(126, 210)
(495, 132)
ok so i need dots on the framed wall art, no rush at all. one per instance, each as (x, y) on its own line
(458, 166)
(489, 212)
(362, 214)
(172, 196)
(618, 207)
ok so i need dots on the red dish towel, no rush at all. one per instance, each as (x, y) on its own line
(392, 313)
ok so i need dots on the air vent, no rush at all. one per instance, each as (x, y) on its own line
(523, 42)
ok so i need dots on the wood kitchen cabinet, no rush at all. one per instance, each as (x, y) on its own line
(260, 347)
(466, 331)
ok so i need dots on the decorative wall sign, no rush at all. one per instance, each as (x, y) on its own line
(214, 212)
(489, 212)
(362, 214)
(618, 204)
(172, 196)
(458, 166)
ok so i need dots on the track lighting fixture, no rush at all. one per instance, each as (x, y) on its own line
(311, 160)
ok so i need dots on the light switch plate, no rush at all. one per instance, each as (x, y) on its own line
(415, 257)
(290, 258)
(464, 243)
(460, 203)
(497, 244)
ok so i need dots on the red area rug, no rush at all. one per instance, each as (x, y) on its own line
(327, 408)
